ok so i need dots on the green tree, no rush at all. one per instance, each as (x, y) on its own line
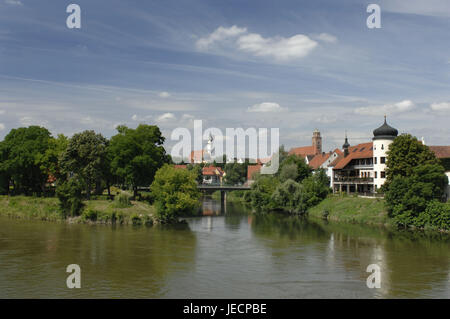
(303, 170)
(407, 197)
(136, 155)
(262, 190)
(85, 157)
(22, 159)
(197, 170)
(414, 179)
(175, 193)
(314, 189)
(288, 171)
(404, 154)
(50, 160)
(70, 197)
(236, 173)
(287, 196)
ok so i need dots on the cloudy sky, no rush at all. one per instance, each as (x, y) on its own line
(292, 64)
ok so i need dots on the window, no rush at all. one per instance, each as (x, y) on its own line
(383, 174)
(376, 175)
(375, 160)
(382, 146)
(382, 160)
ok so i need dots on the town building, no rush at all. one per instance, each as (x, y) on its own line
(212, 175)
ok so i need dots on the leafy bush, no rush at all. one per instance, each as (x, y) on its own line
(175, 193)
(70, 197)
(435, 216)
(262, 190)
(90, 214)
(136, 219)
(408, 197)
(287, 196)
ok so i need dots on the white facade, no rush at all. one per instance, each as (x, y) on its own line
(380, 148)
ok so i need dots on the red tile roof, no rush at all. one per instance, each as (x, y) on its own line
(303, 151)
(252, 169)
(180, 166)
(364, 150)
(212, 170)
(318, 160)
(441, 151)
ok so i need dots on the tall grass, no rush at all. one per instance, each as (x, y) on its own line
(349, 209)
(30, 208)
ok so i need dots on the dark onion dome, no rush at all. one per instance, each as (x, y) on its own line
(385, 132)
(346, 144)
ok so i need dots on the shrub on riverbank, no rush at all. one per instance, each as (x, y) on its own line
(70, 198)
(175, 193)
(348, 209)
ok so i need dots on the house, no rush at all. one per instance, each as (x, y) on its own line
(251, 171)
(324, 161)
(212, 175)
(362, 168)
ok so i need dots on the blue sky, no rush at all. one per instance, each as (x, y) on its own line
(296, 65)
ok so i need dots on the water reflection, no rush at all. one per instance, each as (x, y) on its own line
(223, 254)
(115, 261)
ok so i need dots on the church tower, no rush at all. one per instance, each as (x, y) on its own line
(317, 142)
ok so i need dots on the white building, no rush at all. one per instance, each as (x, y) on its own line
(382, 137)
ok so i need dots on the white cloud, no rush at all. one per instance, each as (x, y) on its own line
(165, 117)
(443, 106)
(297, 46)
(137, 118)
(28, 121)
(279, 48)
(14, 2)
(2, 126)
(220, 34)
(326, 37)
(164, 94)
(400, 107)
(266, 107)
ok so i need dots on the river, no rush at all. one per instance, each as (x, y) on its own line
(221, 255)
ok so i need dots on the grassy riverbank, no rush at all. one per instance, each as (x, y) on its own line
(95, 211)
(356, 210)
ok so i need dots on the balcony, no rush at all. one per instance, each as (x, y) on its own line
(354, 180)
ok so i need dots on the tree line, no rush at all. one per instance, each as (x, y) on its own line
(31, 159)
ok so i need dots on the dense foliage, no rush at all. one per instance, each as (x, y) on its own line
(136, 155)
(85, 158)
(415, 183)
(34, 162)
(23, 162)
(174, 192)
(70, 197)
(294, 189)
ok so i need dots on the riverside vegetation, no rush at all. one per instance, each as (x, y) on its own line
(48, 178)
(82, 171)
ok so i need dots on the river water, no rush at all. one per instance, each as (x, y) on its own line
(231, 254)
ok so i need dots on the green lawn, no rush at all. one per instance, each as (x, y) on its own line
(349, 209)
(98, 211)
